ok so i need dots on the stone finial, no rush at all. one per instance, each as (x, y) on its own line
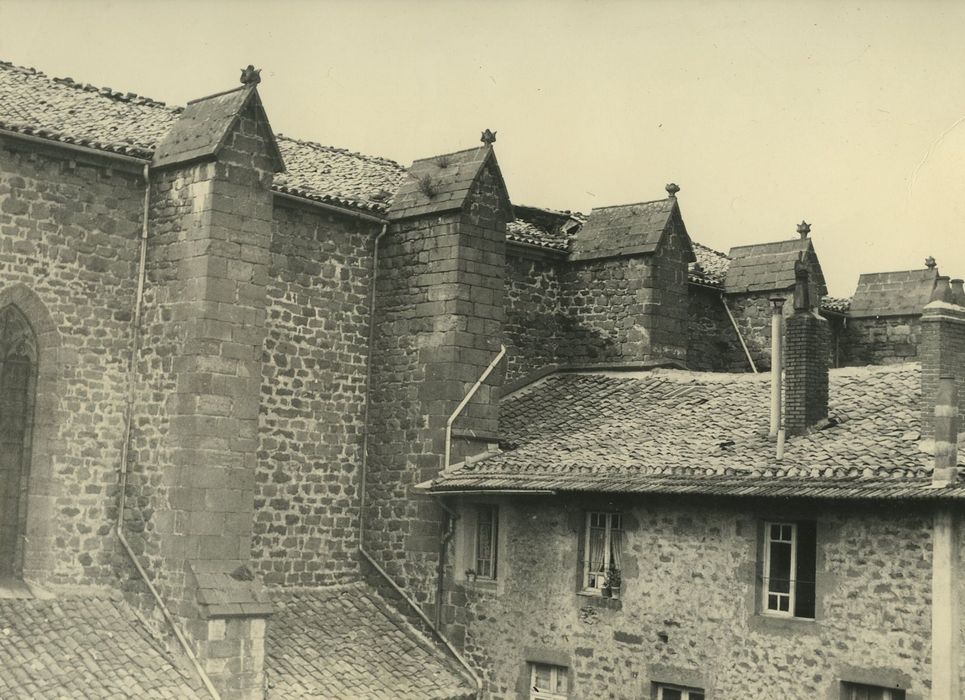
(930, 262)
(488, 137)
(250, 75)
(803, 229)
(672, 189)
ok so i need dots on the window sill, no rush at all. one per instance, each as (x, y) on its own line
(598, 601)
(481, 584)
(782, 624)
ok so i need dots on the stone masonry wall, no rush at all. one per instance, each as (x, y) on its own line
(880, 341)
(713, 345)
(69, 234)
(312, 398)
(687, 608)
(533, 314)
(439, 314)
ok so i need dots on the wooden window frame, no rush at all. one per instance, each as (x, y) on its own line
(850, 690)
(556, 674)
(686, 692)
(593, 583)
(800, 605)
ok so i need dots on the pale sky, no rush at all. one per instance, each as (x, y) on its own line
(847, 115)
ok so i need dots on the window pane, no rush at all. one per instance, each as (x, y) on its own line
(671, 694)
(779, 572)
(542, 677)
(696, 696)
(486, 523)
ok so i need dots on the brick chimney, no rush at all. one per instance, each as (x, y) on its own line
(942, 349)
(806, 361)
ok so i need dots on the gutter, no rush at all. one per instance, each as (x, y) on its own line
(332, 208)
(128, 415)
(363, 468)
(86, 150)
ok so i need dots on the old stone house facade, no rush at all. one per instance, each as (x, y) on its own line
(359, 430)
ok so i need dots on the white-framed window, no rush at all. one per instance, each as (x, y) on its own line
(487, 533)
(860, 691)
(788, 580)
(547, 682)
(602, 551)
(678, 692)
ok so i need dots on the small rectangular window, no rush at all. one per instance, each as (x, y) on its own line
(677, 692)
(602, 551)
(547, 682)
(790, 559)
(487, 524)
(860, 691)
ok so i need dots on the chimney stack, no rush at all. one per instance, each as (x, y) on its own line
(946, 432)
(806, 358)
(942, 349)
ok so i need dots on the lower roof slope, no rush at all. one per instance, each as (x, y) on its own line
(85, 647)
(672, 431)
(345, 642)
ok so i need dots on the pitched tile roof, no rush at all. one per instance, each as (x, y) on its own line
(840, 305)
(345, 642)
(893, 293)
(440, 183)
(623, 230)
(710, 267)
(63, 110)
(546, 228)
(765, 266)
(89, 646)
(671, 431)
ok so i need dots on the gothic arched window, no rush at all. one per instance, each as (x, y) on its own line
(18, 380)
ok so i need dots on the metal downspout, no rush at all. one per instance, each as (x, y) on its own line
(362, 475)
(128, 415)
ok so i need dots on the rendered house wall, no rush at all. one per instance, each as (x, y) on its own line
(689, 574)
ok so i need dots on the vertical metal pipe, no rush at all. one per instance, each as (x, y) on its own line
(777, 360)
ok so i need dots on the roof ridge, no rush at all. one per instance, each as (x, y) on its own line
(452, 153)
(783, 240)
(104, 91)
(633, 204)
(335, 149)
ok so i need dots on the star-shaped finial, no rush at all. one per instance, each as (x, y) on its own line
(803, 228)
(250, 75)
(488, 137)
(672, 189)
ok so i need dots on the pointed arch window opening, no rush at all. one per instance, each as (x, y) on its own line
(18, 388)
